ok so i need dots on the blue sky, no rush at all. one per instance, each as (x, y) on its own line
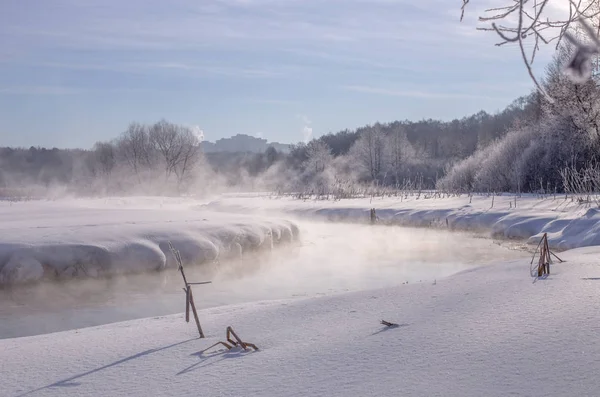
(73, 72)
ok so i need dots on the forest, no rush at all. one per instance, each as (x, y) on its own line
(532, 145)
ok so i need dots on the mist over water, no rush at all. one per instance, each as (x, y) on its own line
(328, 259)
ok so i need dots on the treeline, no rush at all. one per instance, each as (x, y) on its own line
(531, 145)
(166, 158)
(402, 154)
(39, 166)
(162, 158)
(557, 151)
(158, 159)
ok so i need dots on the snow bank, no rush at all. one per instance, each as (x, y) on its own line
(94, 238)
(568, 224)
(483, 332)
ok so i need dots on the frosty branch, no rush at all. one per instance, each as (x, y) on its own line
(526, 22)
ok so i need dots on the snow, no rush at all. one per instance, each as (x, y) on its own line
(488, 331)
(329, 258)
(91, 238)
(568, 223)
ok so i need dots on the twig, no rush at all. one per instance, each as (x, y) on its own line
(531, 23)
(387, 323)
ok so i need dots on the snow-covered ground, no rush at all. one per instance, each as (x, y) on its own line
(488, 331)
(89, 238)
(329, 258)
(568, 223)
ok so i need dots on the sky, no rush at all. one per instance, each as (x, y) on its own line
(74, 72)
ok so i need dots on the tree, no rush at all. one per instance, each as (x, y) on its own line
(553, 136)
(165, 138)
(319, 156)
(579, 100)
(102, 161)
(189, 155)
(369, 151)
(104, 153)
(134, 147)
(400, 150)
(272, 156)
(341, 142)
(521, 21)
(297, 156)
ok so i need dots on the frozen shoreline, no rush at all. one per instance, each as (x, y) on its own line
(328, 259)
(469, 335)
(567, 223)
(484, 331)
(91, 238)
(94, 238)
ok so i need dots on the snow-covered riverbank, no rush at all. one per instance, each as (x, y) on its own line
(329, 258)
(568, 223)
(489, 331)
(89, 238)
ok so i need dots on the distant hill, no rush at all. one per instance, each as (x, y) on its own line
(243, 143)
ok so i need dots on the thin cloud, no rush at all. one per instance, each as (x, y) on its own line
(40, 90)
(272, 52)
(340, 58)
(174, 65)
(415, 93)
(188, 24)
(249, 72)
(49, 90)
(150, 66)
(401, 35)
(273, 101)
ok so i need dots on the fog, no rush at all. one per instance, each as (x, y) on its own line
(328, 259)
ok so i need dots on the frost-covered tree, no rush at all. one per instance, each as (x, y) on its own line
(579, 100)
(319, 157)
(164, 138)
(177, 146)
(557, 134)
(369, 152)
(528, 158)
(189, 155)
(105, 158)
(134, 148)
(400, 152)
(530, 24)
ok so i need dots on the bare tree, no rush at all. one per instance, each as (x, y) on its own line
(400, 150)
(165, 138)
(319, 156)
(189, 156)
(369, 151)
(104, 160)
(524, 21)
(134, 147)
(578, 100)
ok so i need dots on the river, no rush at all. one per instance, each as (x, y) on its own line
(329, 258)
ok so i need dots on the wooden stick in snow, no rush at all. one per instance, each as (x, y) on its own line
(189, 296)
(195, 314)
(187, 305)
